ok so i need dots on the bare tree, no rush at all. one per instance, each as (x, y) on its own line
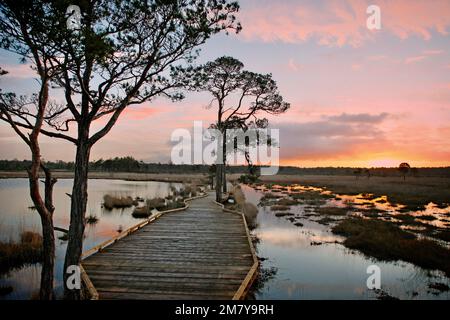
(240, 97)
(34, 111)
(125, 53)
(404, 168)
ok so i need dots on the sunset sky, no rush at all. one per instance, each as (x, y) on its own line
(358, 97)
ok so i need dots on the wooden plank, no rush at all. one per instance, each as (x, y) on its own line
(193, 294)
(110, 284)
(202, 252)
(161, 266)
(110, 295)
(200, 275)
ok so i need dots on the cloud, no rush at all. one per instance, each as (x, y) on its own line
(322, 140)
(141, 112)
(433, 52)
(359, 118)
(339, 23)
(416, 59)
(334, 137)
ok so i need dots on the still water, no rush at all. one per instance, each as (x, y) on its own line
(16, 217)
(308, 264)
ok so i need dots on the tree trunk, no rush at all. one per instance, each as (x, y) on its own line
(77, 212)
(48, 236)
(219, 182)
(48, 263)
(45, 210)
(224, 169)
(224, 181)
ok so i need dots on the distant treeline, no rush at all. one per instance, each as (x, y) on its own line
(129, 164)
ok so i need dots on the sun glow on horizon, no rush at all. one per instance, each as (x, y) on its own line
(383, 163)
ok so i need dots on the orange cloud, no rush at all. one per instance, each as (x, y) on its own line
(337, 23)
(141, 112)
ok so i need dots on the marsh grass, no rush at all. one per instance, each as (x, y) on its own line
(141, 212)
(442, 235)
(92, 219)
(426, 217)
(386, 241)
(265, 274)
(287, 202)
(415, 193)
(279, 207)
(111, 202)
(27, 251)
(283, 214)
(269, 196)
(159, 204)
(238, 195)
(156, 203)
(249, 210)
(325, 221)
(312, 196)
(408, 219)
(332, 211)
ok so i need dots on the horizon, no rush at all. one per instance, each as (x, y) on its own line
(240, 165)
(359, 97)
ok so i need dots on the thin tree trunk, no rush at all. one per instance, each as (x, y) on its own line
(219, 182)
(48, 236)
(77, 213)
(48, 263)
(43, 207)
(224, 171)
(224, 182)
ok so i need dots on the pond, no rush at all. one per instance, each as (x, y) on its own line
(300, 262)
(308, 262)
(17, 216)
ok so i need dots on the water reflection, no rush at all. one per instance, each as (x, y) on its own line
(16, 217)
(328, 270)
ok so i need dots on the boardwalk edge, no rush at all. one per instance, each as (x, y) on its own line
(246, 284)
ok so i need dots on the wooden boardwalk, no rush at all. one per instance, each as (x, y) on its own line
(200, 253)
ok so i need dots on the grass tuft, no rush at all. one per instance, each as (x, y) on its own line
(279, 207)
(15, 255)
(386, 241)
(110, 202)
(92, 219)
(332, 211)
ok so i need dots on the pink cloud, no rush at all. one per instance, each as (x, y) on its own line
(338, 23)
(141, 112)
(433, 52)
(415, 59)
